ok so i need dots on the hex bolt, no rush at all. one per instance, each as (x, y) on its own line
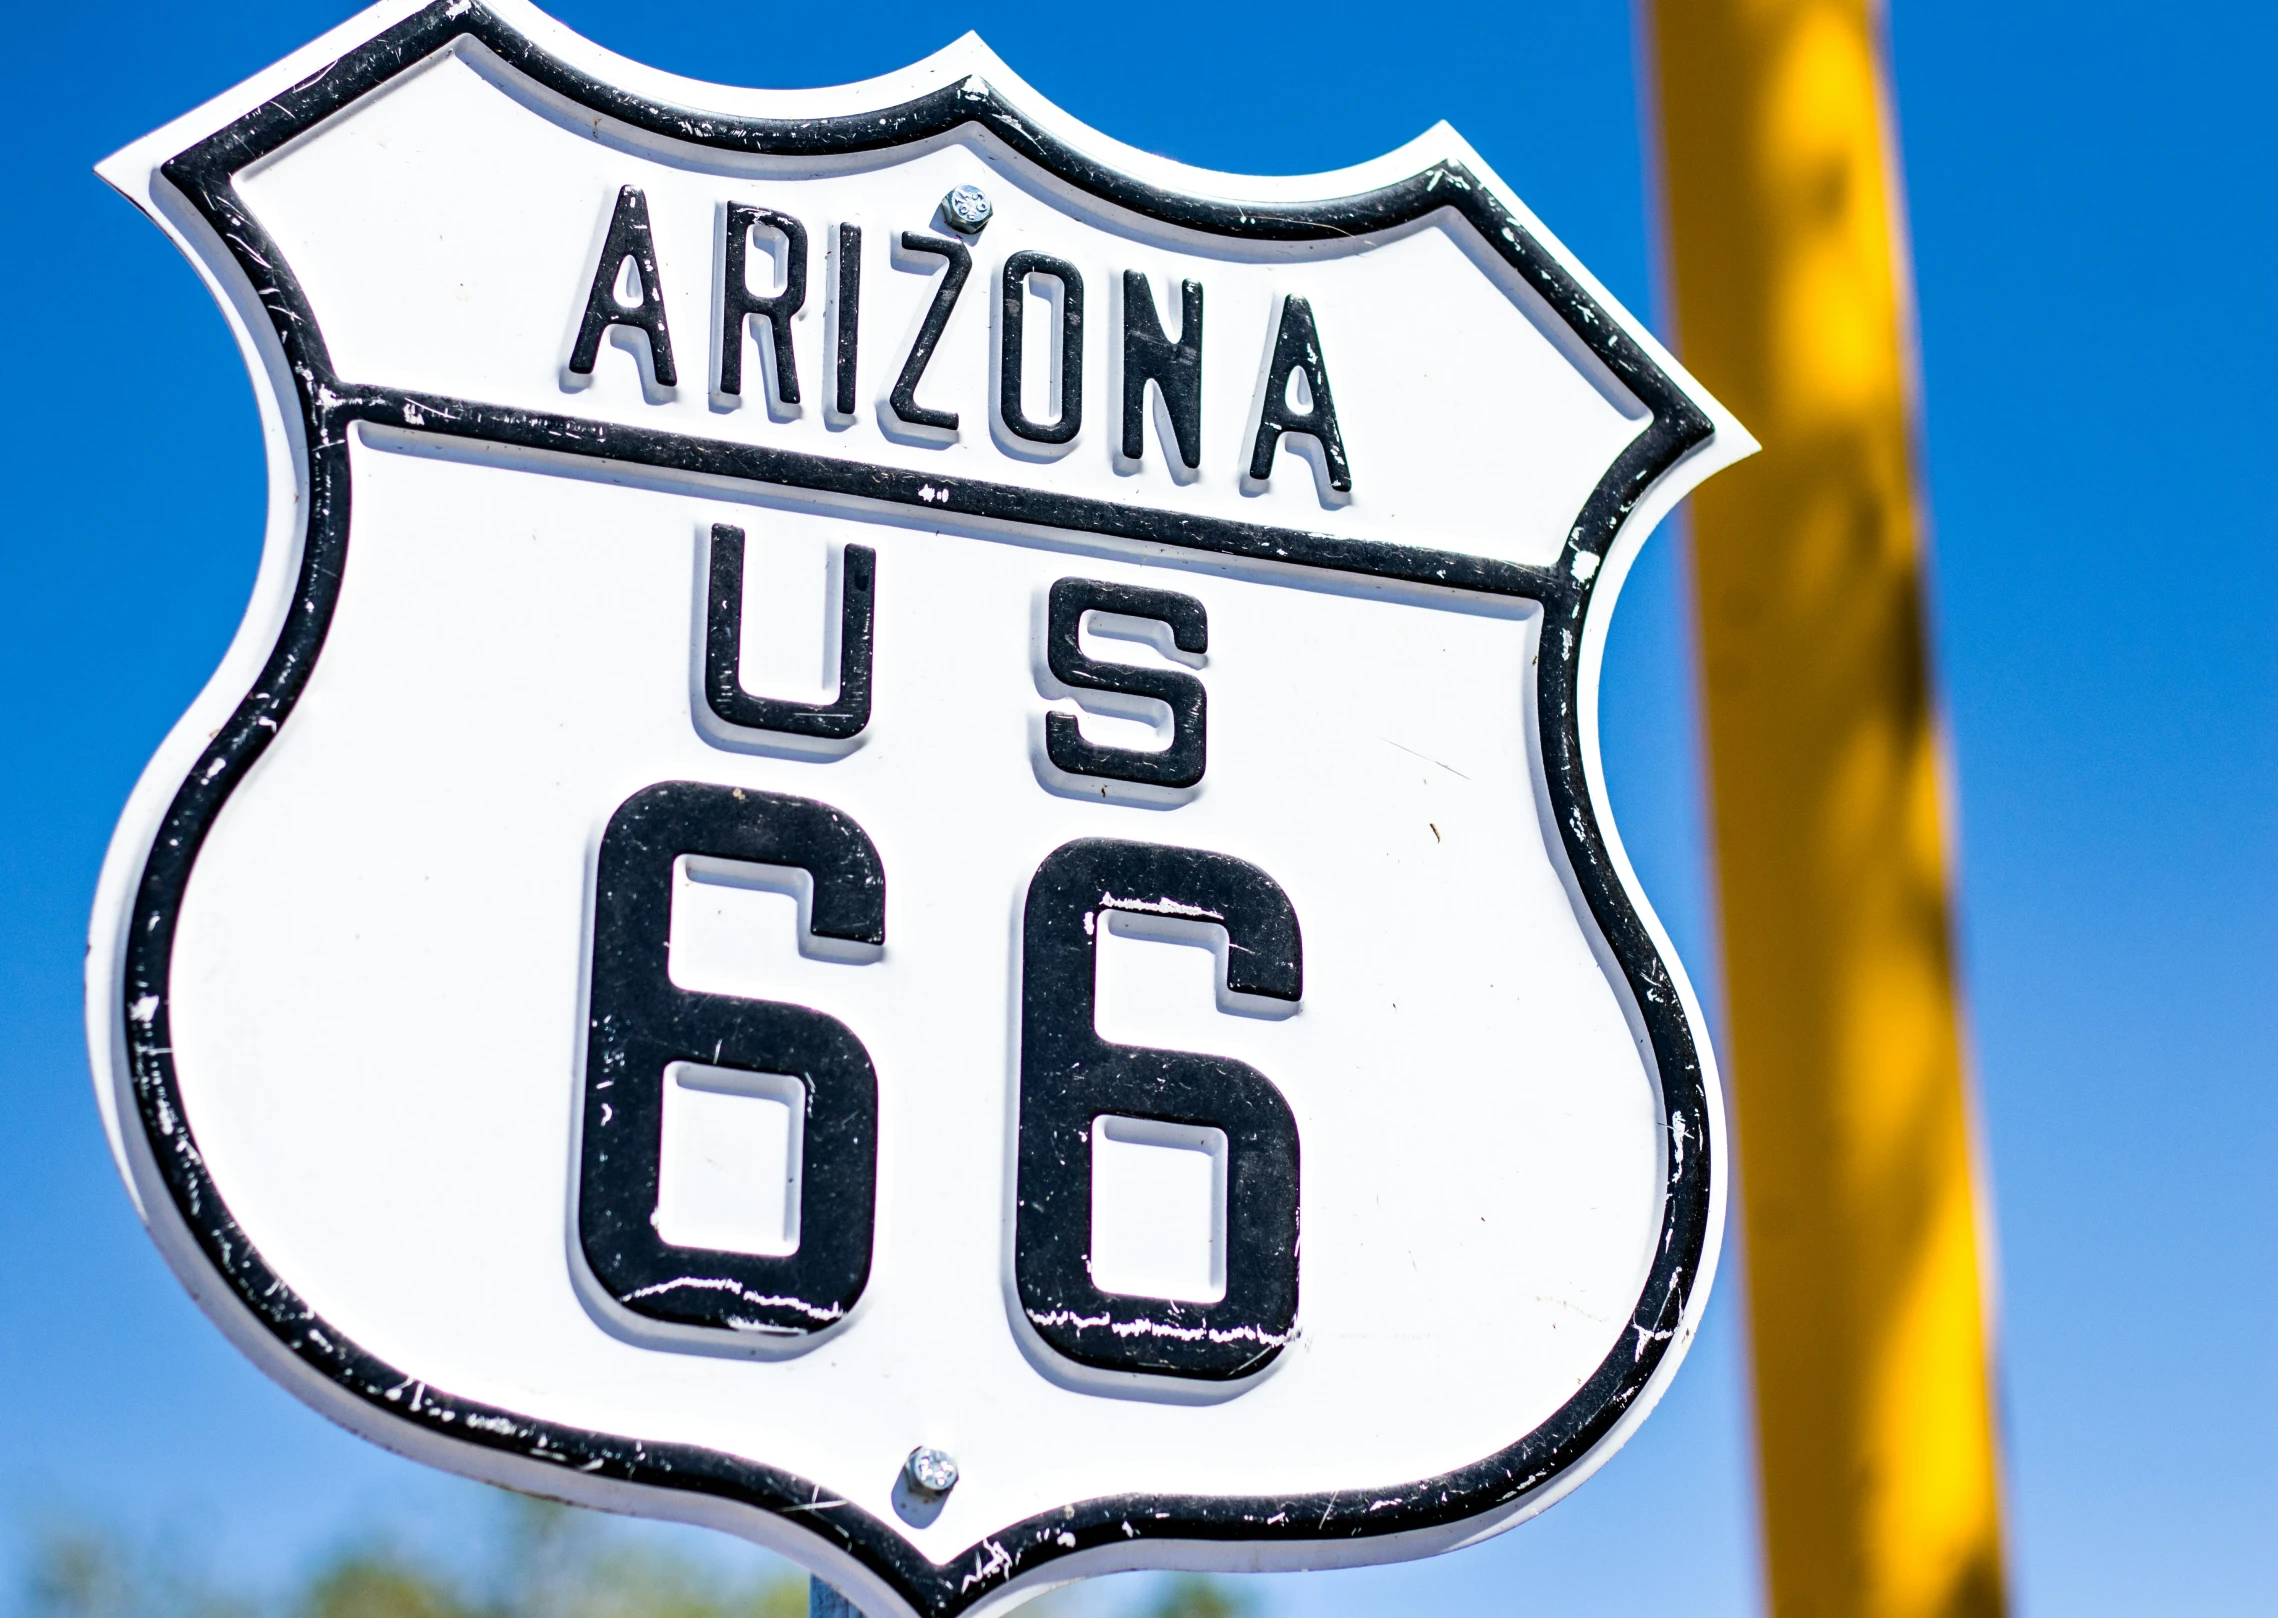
(930, 1470)
(967, 208)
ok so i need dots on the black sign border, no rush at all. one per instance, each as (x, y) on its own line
(205, 174)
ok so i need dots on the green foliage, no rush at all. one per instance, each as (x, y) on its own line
(379, 1585)
(536, 1560)
(79, 1572)
(542, 1561)
(1197, 1595)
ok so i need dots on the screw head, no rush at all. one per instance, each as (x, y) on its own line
(931, 1470)
(967, 208)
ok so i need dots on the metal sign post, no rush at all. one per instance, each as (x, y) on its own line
(1876, 1438)
(905, 850)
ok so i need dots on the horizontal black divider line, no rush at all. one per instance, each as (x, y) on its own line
(934, 492)
(204, 174)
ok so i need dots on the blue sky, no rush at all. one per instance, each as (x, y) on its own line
(2091, 190)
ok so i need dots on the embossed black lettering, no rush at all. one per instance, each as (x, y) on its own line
(1174, 368)
(904, 397)
(1297, 353)
(723, 648)
(739, 304)
(1178, 765)
(1070, 1077)
(628, 239)
(642, 1024)
(849, 313)
(1070, 353)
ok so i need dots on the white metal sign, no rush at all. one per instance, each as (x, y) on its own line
(904, 850)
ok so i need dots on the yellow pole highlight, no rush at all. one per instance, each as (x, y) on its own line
(1866, 1297)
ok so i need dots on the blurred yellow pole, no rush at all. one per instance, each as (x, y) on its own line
(1866, 1297)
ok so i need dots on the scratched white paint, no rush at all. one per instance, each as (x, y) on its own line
(377, 1005)
(1494, 1224)
(486, 267)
